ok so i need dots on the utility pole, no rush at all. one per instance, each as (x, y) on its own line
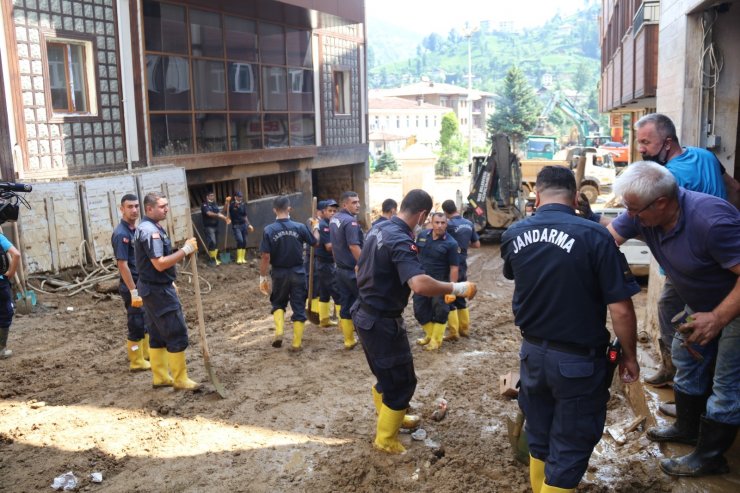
(468, 31)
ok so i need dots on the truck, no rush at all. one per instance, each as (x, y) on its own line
(598, 176)
(541, 146)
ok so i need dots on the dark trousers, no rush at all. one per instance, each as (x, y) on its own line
(327, 273)
(462, 275)
(289, 286)
(563, 397)
(240, 234)
(6, 304)
(134, 316)
(386, 347)
(347, 290)
(167, 326)
(306, 267)
(430, 309)
(211, 236)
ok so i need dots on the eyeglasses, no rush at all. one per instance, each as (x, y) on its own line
(632, 211)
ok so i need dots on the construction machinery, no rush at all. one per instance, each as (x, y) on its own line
(495, 200)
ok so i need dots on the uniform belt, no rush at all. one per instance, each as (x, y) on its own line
(565, 347)
(345, 267)
(326, 260)
(380, 313)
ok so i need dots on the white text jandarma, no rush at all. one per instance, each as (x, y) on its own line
(554, 236)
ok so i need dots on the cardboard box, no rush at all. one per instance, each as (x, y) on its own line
(508, 383)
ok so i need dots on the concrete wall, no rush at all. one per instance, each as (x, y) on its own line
(679, 92)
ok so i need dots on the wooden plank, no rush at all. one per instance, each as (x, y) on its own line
(53, 240)
(85, 221)
(103, 196)
(112, 209)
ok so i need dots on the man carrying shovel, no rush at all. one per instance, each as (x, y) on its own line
(6, 294)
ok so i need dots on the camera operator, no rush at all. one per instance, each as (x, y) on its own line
(6, 294)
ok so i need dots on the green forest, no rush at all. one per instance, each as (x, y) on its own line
(566, 48)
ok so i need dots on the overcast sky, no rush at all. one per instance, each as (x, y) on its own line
(440, 16)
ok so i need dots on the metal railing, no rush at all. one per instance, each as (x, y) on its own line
(648, 13)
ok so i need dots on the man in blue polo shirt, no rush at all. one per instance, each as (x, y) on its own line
(694, 169)
(389, 269)
(137, 344)
(464, 233)
(438, 253)
(347, 240)
(567, 271)
(694, 237)
(282, 248)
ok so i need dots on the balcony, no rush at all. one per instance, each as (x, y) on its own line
(648, 13)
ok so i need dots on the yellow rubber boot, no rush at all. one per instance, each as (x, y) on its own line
(135, 357)
(279, 317)
(546, 488)
(536, 474)
(145, 347)
(463, 316)
(386, 433)
(427, 327)
(297, 335)
(241, 253)
(180, 372)
(337, 310)
(348, 329)
(160, 368)
(435, 342)
(454, 325)
(315, 305)
(410, 421)
(214, 256)
(324, 320)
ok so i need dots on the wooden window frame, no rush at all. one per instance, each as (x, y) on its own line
(343, 93)
(92, 90)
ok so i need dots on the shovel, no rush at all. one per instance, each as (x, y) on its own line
(312, 316)
(517, 439)
(202, 332)
(224, 256)
(26, 299)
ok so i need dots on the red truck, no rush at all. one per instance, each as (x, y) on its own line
(619, 151)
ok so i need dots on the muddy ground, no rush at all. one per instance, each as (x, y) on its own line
(291, 421)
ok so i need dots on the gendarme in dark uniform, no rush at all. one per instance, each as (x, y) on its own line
(345, 231)
(283, 242)
(210, 224)
(436, 256)
(123, 240)
(566, 270)
(161, 303)
(326, 268)
(389, 268)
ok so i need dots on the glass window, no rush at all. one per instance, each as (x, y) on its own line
(164, 27)
(244, 87)
(272, 44)
(67, 77)
(301, 90)
(302, 130)
(205, 34)
(274, 88)
(246, 132)
(210, 132)
(341, 92)
(275, 128)
(241, 38)
(210, 85)
(171, 135)
(168, 82)
(298, 45)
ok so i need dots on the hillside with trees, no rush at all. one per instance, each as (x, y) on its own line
(564, 50)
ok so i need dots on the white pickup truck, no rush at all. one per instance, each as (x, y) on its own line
(635, 251)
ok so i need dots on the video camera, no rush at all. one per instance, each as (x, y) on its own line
(10, 200)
